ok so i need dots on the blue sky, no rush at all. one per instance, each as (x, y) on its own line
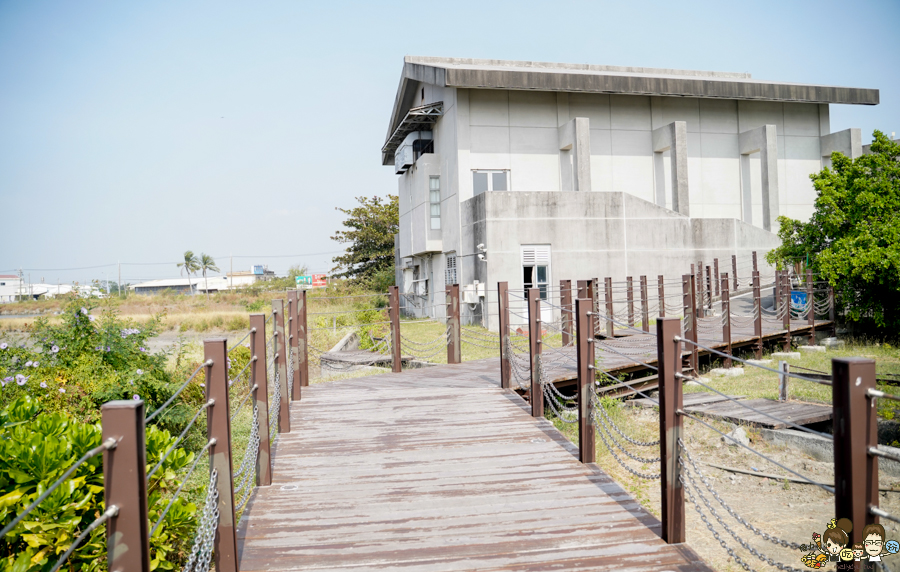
(133, 131)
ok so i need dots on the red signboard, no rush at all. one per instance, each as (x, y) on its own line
(319, 281)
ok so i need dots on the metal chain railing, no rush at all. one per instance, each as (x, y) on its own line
(598, 424)
(690, 487)
(200, 556)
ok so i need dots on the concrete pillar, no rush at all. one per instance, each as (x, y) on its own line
(848, 142)
(575, 144)
(673, 138)
(761, 140)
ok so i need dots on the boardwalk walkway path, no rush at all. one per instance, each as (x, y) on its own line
(440, 469)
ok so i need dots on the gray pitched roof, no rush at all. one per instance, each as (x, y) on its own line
(541, 76)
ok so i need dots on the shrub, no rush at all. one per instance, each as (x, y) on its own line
(83, 362)
(36, 448)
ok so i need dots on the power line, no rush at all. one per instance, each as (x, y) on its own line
(167, 263)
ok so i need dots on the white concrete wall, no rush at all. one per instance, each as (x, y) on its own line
(11, 288)
(595, 235)
(515, 130)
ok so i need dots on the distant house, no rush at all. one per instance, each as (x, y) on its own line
(247, 277)
(173, 285)
(10, 288)
(199, 284)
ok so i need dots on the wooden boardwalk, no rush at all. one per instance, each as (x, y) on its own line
(440, 469)
(629, 353)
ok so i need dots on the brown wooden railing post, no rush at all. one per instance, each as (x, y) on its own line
(394, 312)
(786, 308)
(709, 290)
(687, 306)
(218, 428)
(699, 304)
(716, 276)
(566, 317)
(294, 340)
(585, 359)
(755, 268)
(629, 284)
(645, 306)
(302, 341)
(776, 290)
(125, 486)
(831, 313)
(734, 271)
(726, 322)
(279, 349)
(661, 281)
(454, 348)
(534, 345)
(695, 330)
(610, 325)
(259, 378)
(811, 313)
(503, 299)
(670, 428)
(855, 431)
(757, 321)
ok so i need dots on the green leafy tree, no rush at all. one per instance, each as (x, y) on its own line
(190, 265)
(853, 237)
(370, 230)
(207, 264)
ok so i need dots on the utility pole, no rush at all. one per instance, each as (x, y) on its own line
(119, 283)
(231, 274)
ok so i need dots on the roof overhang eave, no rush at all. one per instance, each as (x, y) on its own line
(420, 118)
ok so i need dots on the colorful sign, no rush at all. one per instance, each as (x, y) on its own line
(314, 281)
(258, 270)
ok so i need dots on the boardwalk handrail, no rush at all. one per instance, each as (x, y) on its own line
(127, 482)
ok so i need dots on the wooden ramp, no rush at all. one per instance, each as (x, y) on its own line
(359, 358)
(440, 469)
(795, 412)
(732, 409)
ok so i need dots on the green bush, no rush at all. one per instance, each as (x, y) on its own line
(36, 448)
(83, 362)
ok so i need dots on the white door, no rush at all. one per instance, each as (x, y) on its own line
(536, 274)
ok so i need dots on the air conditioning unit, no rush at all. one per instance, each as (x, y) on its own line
(403, 158)
(406, 154)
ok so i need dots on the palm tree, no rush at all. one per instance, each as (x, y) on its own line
(190, 265)
(207, 263)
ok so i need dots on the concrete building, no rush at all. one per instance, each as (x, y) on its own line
(575, 171)
(10, 288)
(198, 284)
(170, 285)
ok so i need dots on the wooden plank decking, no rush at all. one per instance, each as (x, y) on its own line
(630, 353)
(440, 469)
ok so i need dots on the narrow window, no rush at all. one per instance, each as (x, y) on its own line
(434, 190)
(484, 181)
(450, 270)
(536, 268)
